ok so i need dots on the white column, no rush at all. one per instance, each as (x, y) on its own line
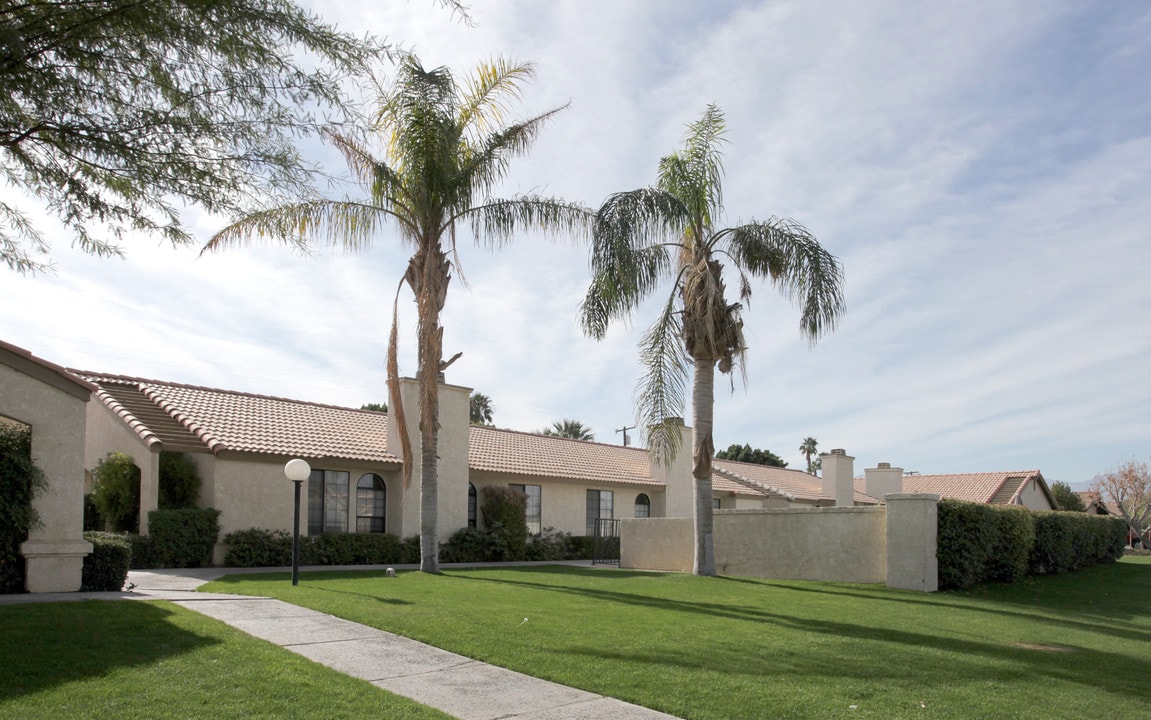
(912, 538)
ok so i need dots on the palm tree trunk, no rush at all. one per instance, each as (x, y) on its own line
(703, 449)
(431, 266)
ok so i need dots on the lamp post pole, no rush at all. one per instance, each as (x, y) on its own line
(297, 471)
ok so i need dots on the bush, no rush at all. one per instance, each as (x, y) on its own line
(116, 491)
(469, 545)
(179, 481)
(257, 547)
(505, 518)
(1013, 536)
(410, 550)
(143, 552)
(1066, 541)
(550, 545)
(273, 548)
(20, 479)
(182, 538)
(106, 567)
(964, 542)
(92, 519)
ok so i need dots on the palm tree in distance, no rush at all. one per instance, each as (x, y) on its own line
(446, 147)
(480, 409)
(809, 447)
(668, 234)
(572, 429)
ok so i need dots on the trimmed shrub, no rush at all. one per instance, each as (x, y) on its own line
(179, 481)
(350, 549)
(257, 547)
(143, 552)
(505, 518)
(183, 538)
(106, 567)
(410, 550)
(964, 543)
(1066, 541)
(92, 519)
(469, 545)
(20, 479)
(1013, 536)
(116, 491)
(550, 545)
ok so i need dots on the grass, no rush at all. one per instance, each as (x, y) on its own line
(1072, 646)
(102, 659)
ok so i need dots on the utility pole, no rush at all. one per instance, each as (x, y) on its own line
(624, 430)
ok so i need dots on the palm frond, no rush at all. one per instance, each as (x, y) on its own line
(497, 221)
(488, 91)
(344, 224)
(695, 173)
(785, 252)
(486, 161)
(661, 393)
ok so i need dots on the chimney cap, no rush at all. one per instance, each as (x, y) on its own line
(885, 466)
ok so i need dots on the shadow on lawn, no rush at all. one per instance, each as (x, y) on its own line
(49, 644)
(929, 655)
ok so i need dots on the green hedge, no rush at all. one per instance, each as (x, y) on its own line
(20, 480)
(178, 539)
(106, 567)
(505, 518)
(257, 547)
(980, 543)
(1066, 541)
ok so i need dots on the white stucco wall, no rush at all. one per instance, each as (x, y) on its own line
(1032, 496)
(55, 550)
(657, 544)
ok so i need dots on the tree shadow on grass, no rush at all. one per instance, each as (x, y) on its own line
(1113, 671)
(47, 644)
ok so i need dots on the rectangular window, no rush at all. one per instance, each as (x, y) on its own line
(328, 502)
(599, 505)
(715, 503)
(534, 508)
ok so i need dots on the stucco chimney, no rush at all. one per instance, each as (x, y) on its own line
(883, 480)
(838, 477)
(678, 498)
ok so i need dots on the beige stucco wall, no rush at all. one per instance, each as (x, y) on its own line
(678, 500)
(452, 450)
(912, 541)
(843, 544)
(1033, 497)
(657, 544)
(54, 552)
(107, 433)
(563, 503)
(252, 491)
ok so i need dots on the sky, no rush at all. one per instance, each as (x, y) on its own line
(982, 170)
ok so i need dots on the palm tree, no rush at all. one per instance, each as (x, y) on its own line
(809, 448)
(573, 429)
(667, 233)
(480, 409)
(446, 148)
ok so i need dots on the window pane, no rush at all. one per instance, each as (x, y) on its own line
(642, 506)
(336, 501)
(534, 514)
(371, 504)
(316, 502)
(473, 506)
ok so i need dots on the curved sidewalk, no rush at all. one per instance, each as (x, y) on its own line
(462, 687)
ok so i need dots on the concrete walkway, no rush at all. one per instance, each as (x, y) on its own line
(459, 686)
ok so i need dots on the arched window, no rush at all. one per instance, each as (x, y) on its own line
(371, 503)
(642, 506)
(473, 505)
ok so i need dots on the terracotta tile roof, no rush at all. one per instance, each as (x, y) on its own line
(520, 453)
(790, 484)
(193, 417)
(49, 372)
(1000, 488)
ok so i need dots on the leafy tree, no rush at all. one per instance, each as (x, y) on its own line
(1066, 498)
(446, 147)
(116, 491)
(378, 407)
(116, 112)
(1129, 488)
(809, 447)
(179, 481)
(480, 409)
(745, 453)
(573, 429)
(669, 233)
(20, 480)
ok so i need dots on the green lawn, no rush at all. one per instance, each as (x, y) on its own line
(110, 660)
(1075, 646)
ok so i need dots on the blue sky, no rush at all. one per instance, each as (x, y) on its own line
(982, 170)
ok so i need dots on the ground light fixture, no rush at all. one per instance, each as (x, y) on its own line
(297, 471)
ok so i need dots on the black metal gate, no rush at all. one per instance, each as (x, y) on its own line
(605, 542)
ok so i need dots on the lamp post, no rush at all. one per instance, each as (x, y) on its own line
(297, 471)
